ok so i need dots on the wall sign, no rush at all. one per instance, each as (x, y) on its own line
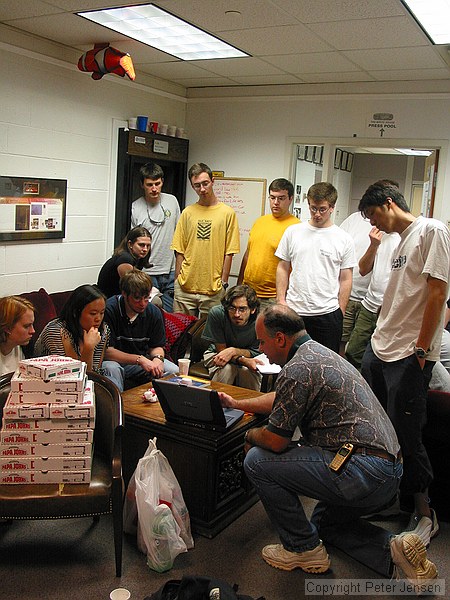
(381, 123)
(32, 208)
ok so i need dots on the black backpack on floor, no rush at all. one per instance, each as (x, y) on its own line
(198, 588)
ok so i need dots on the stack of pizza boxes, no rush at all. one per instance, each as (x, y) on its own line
(48, 423)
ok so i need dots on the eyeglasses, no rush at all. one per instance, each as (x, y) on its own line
(165, 215)
(322, 210)
(198, 186)
(240, 310)
(279, 198)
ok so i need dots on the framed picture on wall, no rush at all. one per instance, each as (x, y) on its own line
(318, 155)
(344, 156)
(309, 154)
(349, 164)
(301, 152)
(32, 208)
(337, 158)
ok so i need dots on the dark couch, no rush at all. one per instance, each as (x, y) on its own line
(48, 306)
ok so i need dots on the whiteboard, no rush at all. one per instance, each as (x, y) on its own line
(248, 199)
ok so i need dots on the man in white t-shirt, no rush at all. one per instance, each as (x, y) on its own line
(159, 213)
(377, 262)
(406, 342)
(314, 275)
(358, 228)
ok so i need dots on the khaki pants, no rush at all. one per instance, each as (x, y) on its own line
(197, 305)
(232, 374)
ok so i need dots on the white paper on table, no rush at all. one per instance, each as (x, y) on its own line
(267, 367)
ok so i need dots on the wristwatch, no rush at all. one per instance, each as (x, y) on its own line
(225, 284)
(420, 352)
(160, 356)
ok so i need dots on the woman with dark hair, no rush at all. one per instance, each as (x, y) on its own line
(230, 327)
(132, 252)
(16, 330)
(80, 332)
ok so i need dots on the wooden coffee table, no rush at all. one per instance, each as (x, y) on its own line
(207, 464)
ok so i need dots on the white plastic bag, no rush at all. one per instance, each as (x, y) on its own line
(163, 519)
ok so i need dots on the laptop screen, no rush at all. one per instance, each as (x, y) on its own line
(194, 405)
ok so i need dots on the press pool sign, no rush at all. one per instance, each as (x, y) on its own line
(382, 122)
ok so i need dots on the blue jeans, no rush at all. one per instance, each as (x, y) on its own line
(113, 371)
(365, 485)
(135, 375)
(164, 283)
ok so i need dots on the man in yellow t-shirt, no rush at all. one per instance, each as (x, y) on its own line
(205, 240)
(259, 263)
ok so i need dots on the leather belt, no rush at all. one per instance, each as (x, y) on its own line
(378, 452)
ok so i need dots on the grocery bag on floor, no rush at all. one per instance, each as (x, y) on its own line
(163, 520)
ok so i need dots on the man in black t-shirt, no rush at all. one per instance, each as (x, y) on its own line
(137, 332)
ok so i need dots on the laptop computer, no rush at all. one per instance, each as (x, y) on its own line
(195, 406)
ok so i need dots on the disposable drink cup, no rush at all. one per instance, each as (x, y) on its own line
(183, 365)
(120, 594)
(142, 123)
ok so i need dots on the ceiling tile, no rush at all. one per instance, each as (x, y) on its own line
(336, 77)
(375, 33)
(318, 11)
(410, 74)
(281, 79)
(214, 17)
(233, 67)
(23, 9)
(205, 82)
(263, 41)
(402, 58)
(320, 62)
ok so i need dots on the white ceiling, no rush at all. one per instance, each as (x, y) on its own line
(290, 41)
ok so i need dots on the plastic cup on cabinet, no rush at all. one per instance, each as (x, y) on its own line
(142, 123)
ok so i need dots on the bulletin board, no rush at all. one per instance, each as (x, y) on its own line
(248, 199)
(32, 208)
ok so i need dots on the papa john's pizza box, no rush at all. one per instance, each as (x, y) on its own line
(43, 397)
(74, 382)
(46, 424)
(45, 463)
(72, 449)
(42, 436)
(48, 367)
(13, 411)
(82, 410)
(78, 476)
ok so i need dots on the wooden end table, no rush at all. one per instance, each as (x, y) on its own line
(207, 464)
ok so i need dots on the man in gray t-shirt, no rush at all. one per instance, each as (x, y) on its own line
(348, 458)
(159, 213)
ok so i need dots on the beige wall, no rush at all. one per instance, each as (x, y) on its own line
(56, 122)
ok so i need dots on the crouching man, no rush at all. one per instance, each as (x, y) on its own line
(348, 458)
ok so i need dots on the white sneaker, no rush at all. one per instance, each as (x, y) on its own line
(311, 561)
(410, 556)
(424, 527)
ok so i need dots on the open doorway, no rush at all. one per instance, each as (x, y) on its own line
(353, 168)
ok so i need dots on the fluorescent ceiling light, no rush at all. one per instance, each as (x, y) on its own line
(413, 151)
(433, 16)
(157, 28)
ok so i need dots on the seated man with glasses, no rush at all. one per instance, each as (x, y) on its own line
(314, 275)
(230, 327)
(137, 329)
(259, 263)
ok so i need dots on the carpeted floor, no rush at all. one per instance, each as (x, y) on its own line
(75, 559)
